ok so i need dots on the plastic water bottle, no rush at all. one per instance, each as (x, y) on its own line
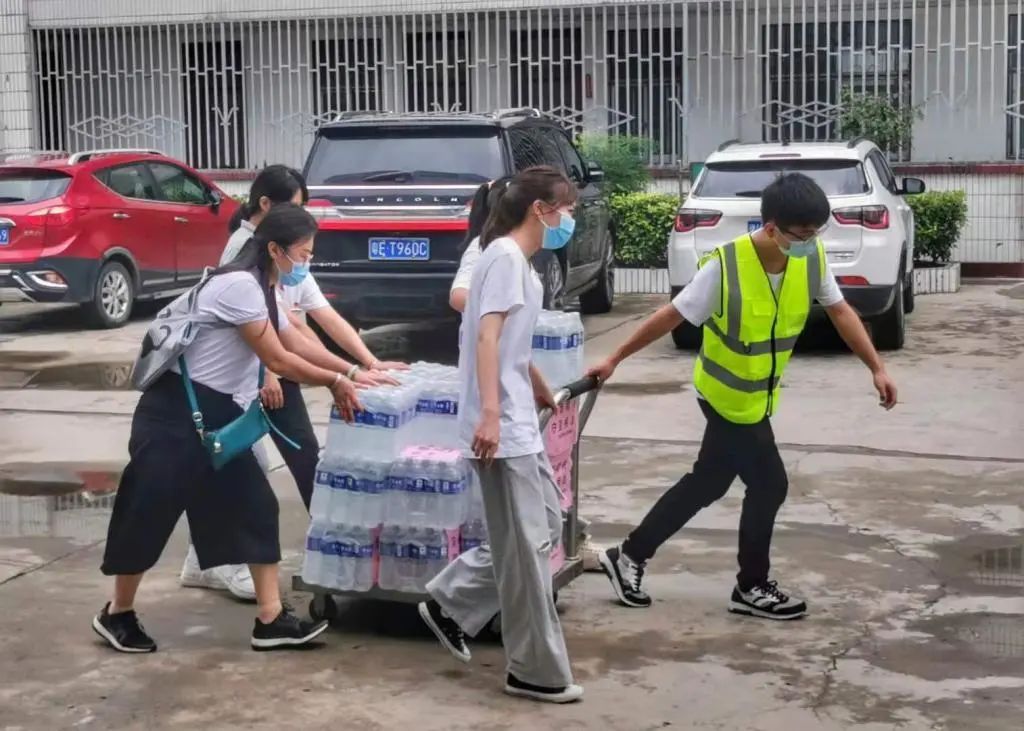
(435, 558)
(473, 534)
(388, 548)
(329, 563)
(344, 499)
(452, 500)
(320, 504)
(312, 562)
(474, 495)
(373, 490)
(359, 555)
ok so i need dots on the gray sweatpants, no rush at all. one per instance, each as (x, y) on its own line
(513, 573)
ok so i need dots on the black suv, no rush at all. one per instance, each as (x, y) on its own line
(391, 192)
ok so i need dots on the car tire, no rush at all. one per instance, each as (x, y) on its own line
(908, 294)
(889, 330)
(113, 297)
(552, 276)
(601, 298)
(687, 336)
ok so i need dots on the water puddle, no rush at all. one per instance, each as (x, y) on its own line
(999, 636)
(1000, 567)
(650, 388)
(74, 377)
(57, 500)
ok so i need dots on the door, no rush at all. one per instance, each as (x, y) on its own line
(198, 230)
(135, 220)
(591, 208)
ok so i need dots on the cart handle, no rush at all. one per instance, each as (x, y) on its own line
(576, 389)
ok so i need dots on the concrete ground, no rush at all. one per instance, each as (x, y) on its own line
(905, 531)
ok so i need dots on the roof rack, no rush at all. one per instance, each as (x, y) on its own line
(517, 112)
(33, 155)
(727, 144)
(90, 154)
(342, 116)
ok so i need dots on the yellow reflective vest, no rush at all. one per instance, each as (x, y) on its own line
(748, 341)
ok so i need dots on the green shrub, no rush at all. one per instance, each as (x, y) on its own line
(623, 159)
(939, 217)
(880, 119)
(642, 223)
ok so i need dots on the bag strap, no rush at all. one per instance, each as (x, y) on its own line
(197, 415)
(280, 433)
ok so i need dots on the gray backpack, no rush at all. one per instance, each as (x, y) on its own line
(168, 337)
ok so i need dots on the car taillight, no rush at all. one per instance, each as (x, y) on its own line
(873, 217)
(55, 215)
(852, 281)
(687, 219)
(320, 209)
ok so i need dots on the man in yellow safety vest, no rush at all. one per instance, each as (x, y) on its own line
(752, 296)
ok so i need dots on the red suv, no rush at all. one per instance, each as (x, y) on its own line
(106, 228)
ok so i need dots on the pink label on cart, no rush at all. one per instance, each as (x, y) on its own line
(562, 430)
(454, 543)
(557, 559)
(561, 465)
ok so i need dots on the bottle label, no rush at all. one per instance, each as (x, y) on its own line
(436, 553)
(313, 543)
(468, 544)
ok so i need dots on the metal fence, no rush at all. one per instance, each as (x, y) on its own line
(687, 74)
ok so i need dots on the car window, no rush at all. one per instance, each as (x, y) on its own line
(31, 186)
(573, 161)
(177, 186)
(526, 149)
(885, 173)
(547, 139)
(748, 178)
(129, 181)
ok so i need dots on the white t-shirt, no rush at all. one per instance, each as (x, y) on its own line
(219, 358)
(703, 296)
(503, 281)
(470, 256)
(305, 297)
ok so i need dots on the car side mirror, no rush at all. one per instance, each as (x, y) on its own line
(912, 186)
(595, 173)
(215, 200)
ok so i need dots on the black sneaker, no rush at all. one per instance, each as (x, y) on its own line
(626, 576)
(520, 689)
(766, 600)
(122, 631)
(285, 631)
(446, 629)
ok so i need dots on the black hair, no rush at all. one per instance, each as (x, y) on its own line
(513, 201)
(285, 224)
(278, 183)
(794, 199)
(480, 208)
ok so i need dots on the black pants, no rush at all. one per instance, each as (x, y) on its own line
(728, 450)
(293, 420)
(232, 512)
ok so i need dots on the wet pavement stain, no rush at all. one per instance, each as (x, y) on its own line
(57, 500)
(74, 377)
(650, 388)
(1000, 567)
(1016, 292)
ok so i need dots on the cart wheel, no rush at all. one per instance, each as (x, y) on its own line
(321, 607)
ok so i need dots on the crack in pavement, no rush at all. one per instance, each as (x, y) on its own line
(46, 564)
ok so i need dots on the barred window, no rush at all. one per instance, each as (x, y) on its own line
(346, 76)
(1014, 90)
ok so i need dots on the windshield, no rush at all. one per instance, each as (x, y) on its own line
(406, 155)
(747, 179)
(31, 186)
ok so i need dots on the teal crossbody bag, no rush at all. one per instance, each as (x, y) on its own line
(226, 443)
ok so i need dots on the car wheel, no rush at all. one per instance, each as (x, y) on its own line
(599, 300)
(908, 294)
(113, 298)
(687, 336)
(552, 277)
(889, 330)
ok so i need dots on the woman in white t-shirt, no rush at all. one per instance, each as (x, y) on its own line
(297, 292)
(500, 434)
(232, 512)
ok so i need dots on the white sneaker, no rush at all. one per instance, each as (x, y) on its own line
(234, 579)
(591, 555)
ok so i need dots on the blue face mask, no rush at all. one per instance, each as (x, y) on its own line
(557, 237)
(298, 273)
(800, 249)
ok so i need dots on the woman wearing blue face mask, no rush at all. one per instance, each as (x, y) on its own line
(297, 293)
(500, 435)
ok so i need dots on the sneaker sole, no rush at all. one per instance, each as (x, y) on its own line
(736, 608)
(439, 634)
(279, 643)
(609, 571)
(559, 698)
(102, 632)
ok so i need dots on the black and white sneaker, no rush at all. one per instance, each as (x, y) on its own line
(284, 632)
(568, 694)
(626, 576)
(766, 600)
(122, 631)
(446, 629)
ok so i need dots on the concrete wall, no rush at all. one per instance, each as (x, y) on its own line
(17, 127)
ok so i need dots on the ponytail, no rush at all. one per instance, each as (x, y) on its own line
(511, 206)
(480, 209)
(276, 183)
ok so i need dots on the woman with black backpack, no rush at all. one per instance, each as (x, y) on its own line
(231, 508)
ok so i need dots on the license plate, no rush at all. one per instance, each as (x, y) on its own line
(5, 236)
(384, 249)
(753, 225)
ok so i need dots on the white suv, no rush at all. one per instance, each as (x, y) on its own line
(869, 239)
